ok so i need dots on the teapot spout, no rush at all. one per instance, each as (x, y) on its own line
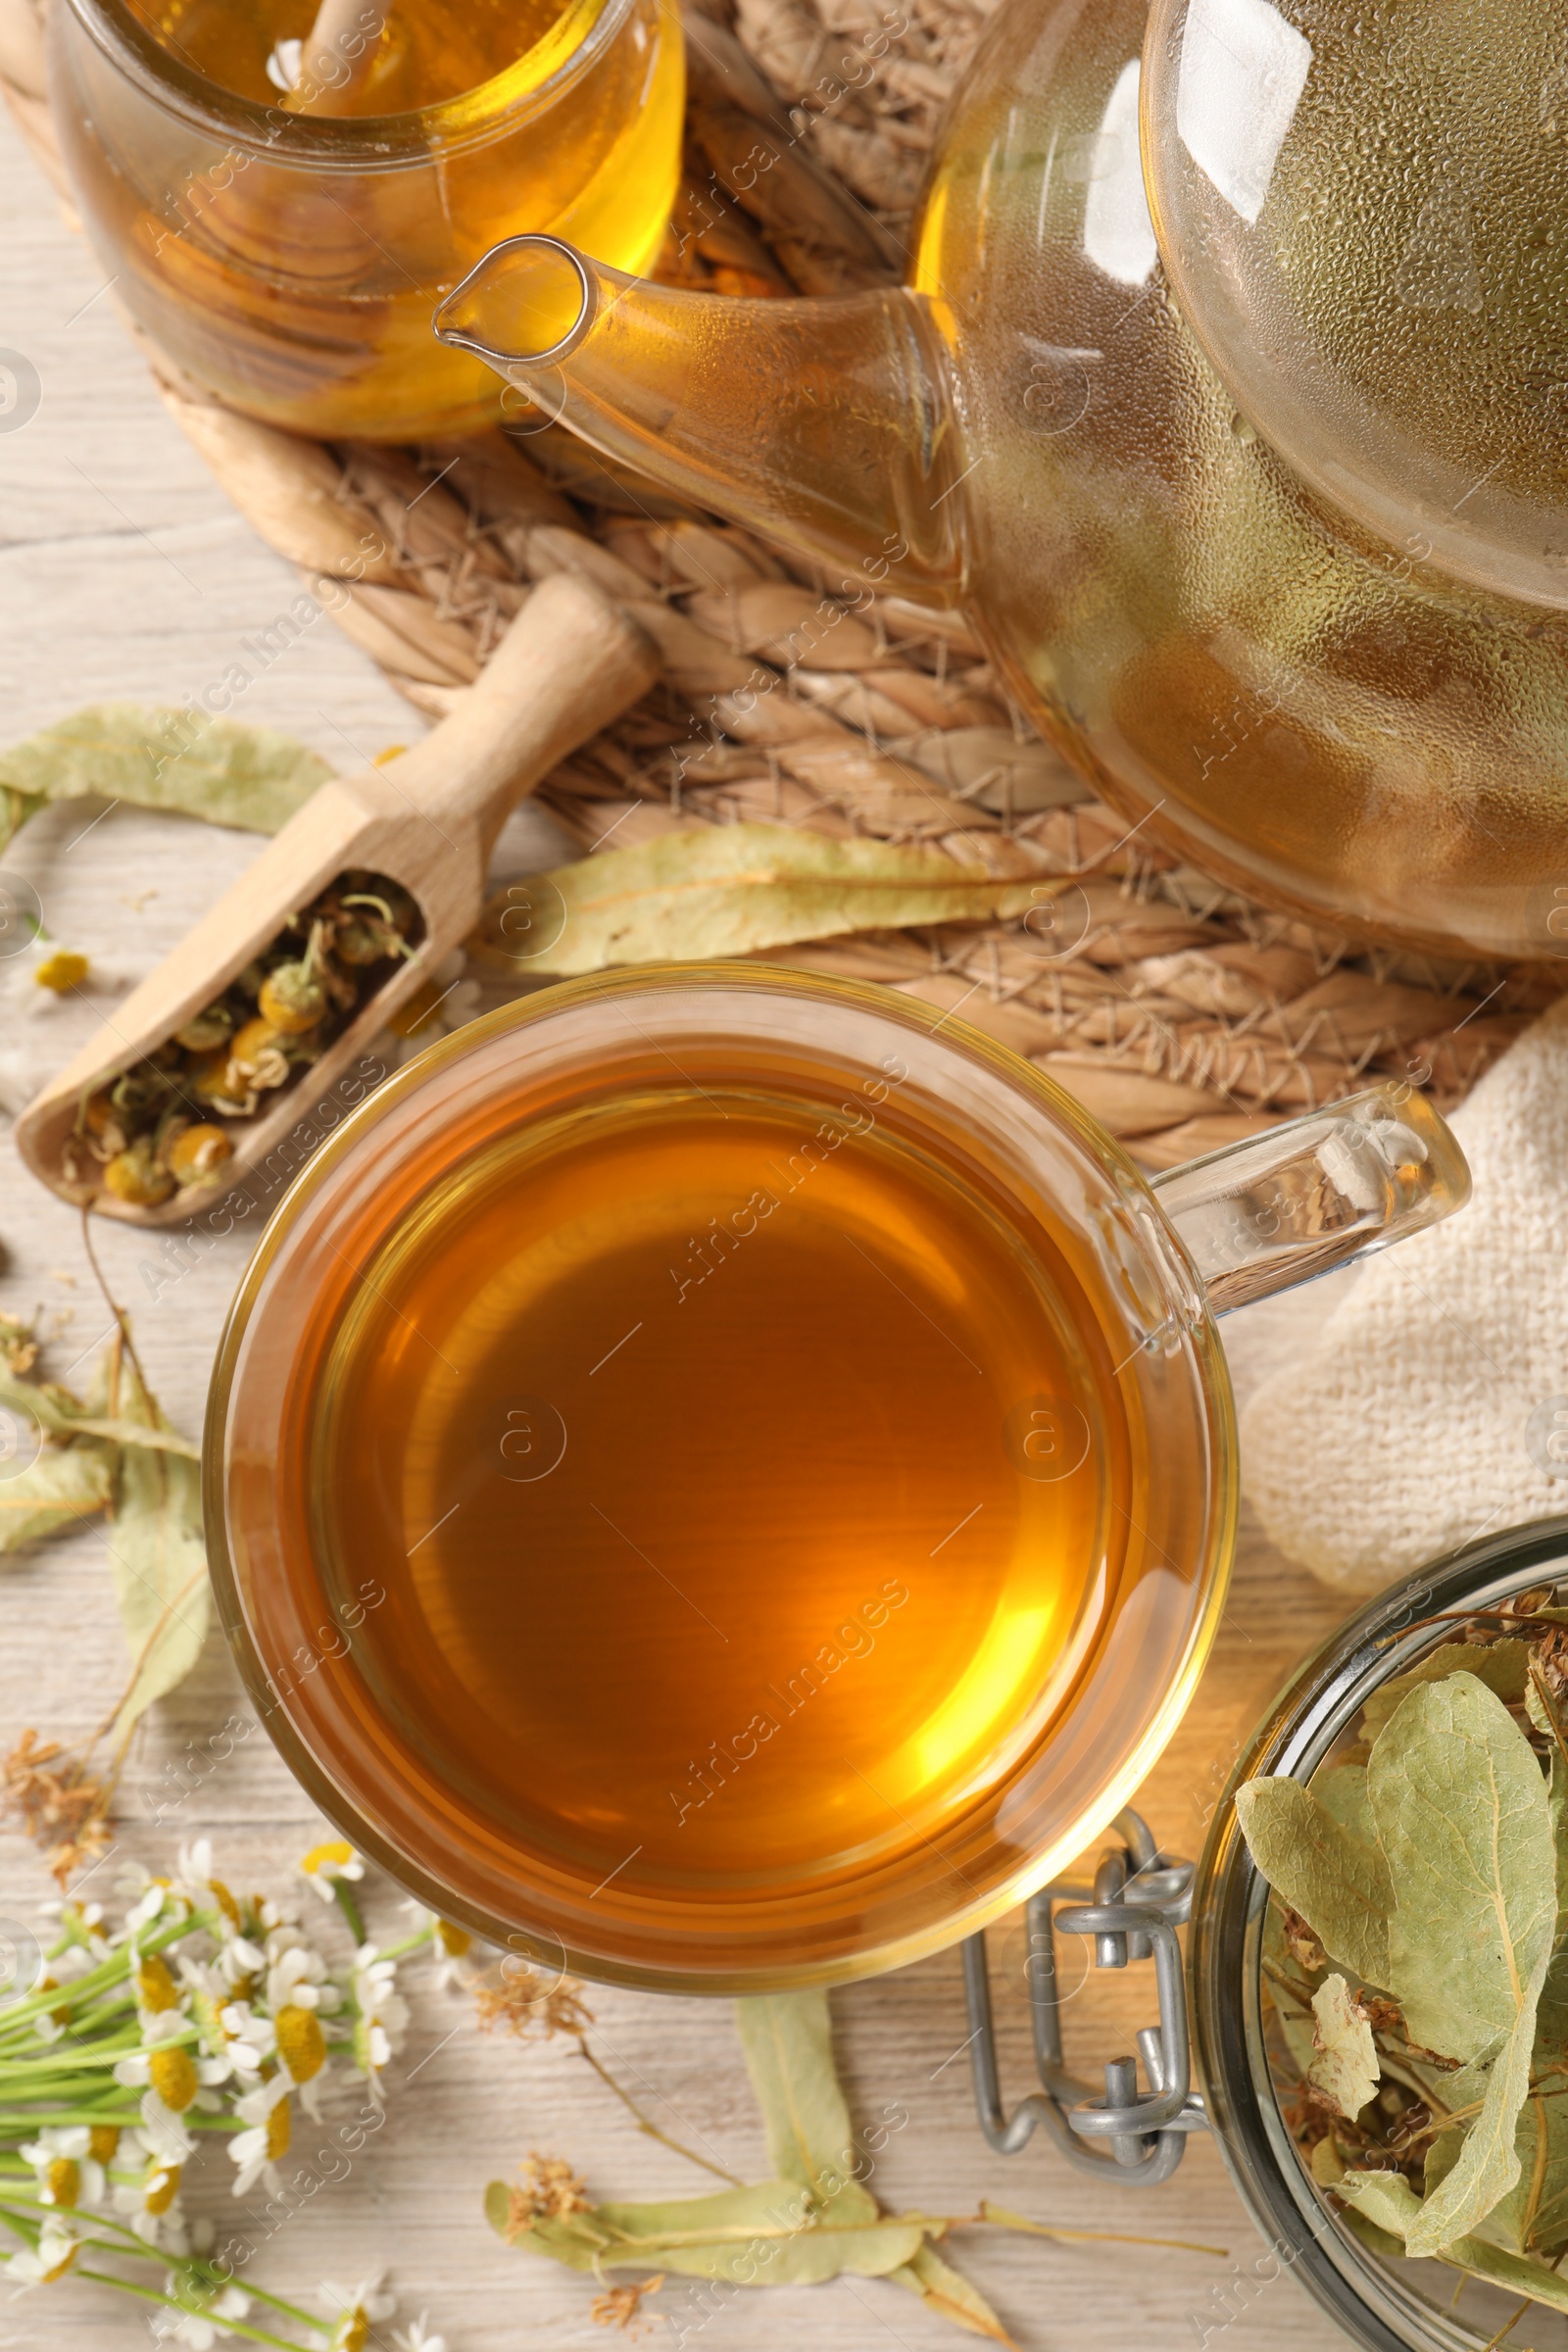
(828, 425)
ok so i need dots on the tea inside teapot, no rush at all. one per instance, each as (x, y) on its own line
(1228, 389)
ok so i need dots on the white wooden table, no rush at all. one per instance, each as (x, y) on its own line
(123, 571)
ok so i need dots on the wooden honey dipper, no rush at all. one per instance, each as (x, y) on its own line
(427, 821)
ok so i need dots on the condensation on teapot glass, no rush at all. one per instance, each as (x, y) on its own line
(1229, 390)
(1363, 212)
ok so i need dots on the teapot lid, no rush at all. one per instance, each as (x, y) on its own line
(1362, 209)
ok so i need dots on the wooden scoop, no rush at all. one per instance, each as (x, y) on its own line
(428, 819)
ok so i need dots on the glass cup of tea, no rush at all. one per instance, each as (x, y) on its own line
(721, 1478)
(281, 202)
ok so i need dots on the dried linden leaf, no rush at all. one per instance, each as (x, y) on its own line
(65, 1484)
(1464, 1822)
(66, 1416)
(943, 2290)
(787, 2039)
(811, 2224)
(1513, 2272)
(1345, 2064)
(1552, 2010)
(1338, 1885)
(723, 890)
(1342, 1790)
(1503, 1666)
(766, 2235)
(1389, 2202)
(1386, 2198)
(252, 777)
(158, 1556)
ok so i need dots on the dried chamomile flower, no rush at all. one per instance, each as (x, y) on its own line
(61, 970)
(196, 1153)
(135, 1176)
(205, 1030)
(273, 1019)
(292, 998)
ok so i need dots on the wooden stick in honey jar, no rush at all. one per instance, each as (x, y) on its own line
(394, 859)
(336, 56)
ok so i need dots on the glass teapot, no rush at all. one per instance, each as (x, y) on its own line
(1229, 388)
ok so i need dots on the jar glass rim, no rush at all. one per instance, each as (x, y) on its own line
(530, 85)
(1377, 2309)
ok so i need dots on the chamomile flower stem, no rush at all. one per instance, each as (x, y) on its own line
(343, 1896)
(150, 2294)
(113, 1971)
(61, 2119)
(292, 2311)
(124, 2241)
(19, 2081)
(410, 1943)
(55, 2060)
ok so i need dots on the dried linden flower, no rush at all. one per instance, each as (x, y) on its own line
(549, 2190)
(19, 1349)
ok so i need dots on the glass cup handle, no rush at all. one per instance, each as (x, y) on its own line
(1305, 1197)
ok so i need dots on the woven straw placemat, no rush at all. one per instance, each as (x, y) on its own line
(1181, 1015)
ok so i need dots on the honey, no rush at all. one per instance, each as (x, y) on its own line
(720, 1491)
(290, 260)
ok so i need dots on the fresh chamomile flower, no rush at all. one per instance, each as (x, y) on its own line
(73, 1917)
(256, 2151)
(356, 2310)
(381, 2014)
(241, 1962)
(173, 2077)
(194, 1879)
(201, 2314)
(450, 1944)
(160, 2008)
(146, 2188)
(64, 1971)
(418, 2339)
(207, 1996)
(251, 2038)
(67, 2174)
(324, 1865)
(302, 2053)
(296, 1976)
(161, 2121)
(152, 1897)
(48, 2260)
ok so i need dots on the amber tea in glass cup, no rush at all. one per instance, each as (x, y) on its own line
(285, 241)
(725, 1478)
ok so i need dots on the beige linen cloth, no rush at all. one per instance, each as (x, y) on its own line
(1432, 1406)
